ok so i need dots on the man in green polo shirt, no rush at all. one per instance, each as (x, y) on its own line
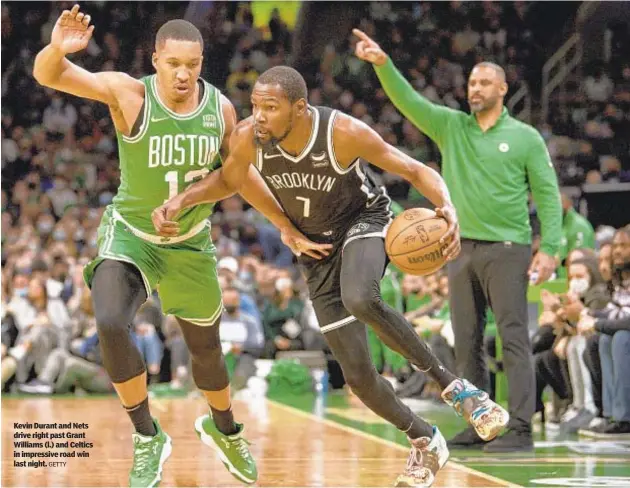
(490, 161)
(577, 232)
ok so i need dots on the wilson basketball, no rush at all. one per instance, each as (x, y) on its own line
(413, 241)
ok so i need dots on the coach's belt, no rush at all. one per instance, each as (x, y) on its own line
(159, 239)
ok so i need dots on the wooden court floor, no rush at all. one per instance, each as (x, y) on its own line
(292, 448)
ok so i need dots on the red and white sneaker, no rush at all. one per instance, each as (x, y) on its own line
(426, 458)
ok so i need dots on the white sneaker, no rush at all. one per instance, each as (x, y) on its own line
(570, 414)
(426, 458)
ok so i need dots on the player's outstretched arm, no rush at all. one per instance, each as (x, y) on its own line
(355, 139)
(430, 118)
(71, 34)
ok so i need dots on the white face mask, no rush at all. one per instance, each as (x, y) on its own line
(579, 285)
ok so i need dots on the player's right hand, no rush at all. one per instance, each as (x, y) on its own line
(163, 219)
(72, 31)
(299, 244)
(368, 50)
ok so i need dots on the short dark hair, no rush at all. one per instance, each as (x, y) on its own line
(489, 64)
(180, 30)
(291, 82)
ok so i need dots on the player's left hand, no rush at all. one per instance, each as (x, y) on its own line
(452, 233)
(542, 267)
(163, 219)
(299, 244)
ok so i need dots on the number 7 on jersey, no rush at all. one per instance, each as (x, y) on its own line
(307, 205)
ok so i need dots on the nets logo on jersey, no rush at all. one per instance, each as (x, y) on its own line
(360, 227)
(319, 160)
(209, 121)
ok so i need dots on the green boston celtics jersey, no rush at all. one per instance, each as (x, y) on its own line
(167, 154)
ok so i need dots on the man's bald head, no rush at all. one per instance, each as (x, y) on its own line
(486, 86)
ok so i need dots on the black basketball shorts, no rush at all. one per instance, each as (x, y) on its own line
(323, 277)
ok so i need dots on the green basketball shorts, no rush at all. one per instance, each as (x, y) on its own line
(184, 273)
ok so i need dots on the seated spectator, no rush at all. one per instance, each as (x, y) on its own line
(591, 354)
(37, 331)
(144, 333)
(81, 366)
(228, 269)
(587, 292)
(613, 324)
(64, 371)
(285, 322)
(242, 336)
(181, 378)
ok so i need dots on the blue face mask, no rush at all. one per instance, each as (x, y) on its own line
(21, 292)
(246, 276)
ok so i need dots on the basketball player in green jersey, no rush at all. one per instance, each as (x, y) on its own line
(171, 129)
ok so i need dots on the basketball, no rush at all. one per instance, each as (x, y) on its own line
(413, 241)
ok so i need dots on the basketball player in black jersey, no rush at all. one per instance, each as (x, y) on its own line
(313, 159)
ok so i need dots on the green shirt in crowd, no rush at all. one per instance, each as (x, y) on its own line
(577, 232)
(274, 317)
(487, 173)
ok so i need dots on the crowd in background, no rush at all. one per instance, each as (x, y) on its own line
(60, 168)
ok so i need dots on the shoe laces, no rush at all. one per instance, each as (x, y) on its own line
(142, 455)
(241, 445)
(460, 396)
(418, 457)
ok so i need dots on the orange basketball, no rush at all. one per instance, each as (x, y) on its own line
(413, 241)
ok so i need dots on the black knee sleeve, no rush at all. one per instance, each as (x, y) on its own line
(208, 363)
(117, 294)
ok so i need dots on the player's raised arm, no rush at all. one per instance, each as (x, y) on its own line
(71, 33)
(354, 139)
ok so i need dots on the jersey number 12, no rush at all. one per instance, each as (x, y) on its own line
(172, 178)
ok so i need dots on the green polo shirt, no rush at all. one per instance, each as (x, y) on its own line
(488, 174)
(577, 233)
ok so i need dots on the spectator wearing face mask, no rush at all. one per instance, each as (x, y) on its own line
(242, 335)
(229, 270)
(587, 292)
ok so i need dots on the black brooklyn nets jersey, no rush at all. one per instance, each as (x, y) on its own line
(320, 197)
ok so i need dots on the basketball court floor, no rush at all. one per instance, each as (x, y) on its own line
(298, 441)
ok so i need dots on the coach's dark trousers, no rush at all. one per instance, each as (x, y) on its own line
(494, 274)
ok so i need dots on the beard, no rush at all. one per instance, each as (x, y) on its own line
(483, 106)
(273, 140)
(621, 272)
